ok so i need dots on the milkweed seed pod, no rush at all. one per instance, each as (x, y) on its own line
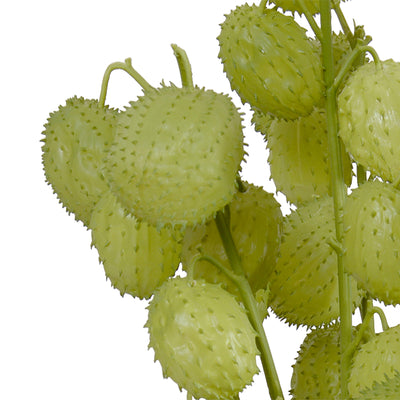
(304, 285)
(77, 136)
(316, 372)
(176, 155)
(256, 224)
(368, 118)
(293, 5)
(375, 361)
(385, 389)
(270, 62)
(299, 157)
(137, 258)
(202, 338)
(372, 239)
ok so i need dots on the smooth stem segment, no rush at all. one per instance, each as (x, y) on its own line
(185, 68)
(338, 191)
(310, 19)
(250, 304)
(127, 67)
(343, 23)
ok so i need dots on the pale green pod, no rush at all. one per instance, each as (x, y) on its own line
(137, 258)
(77, 137)
(369, 115)
(202, 338)
(316, 372)
(270, 62)
(304, 284)
(299, 157)
(385, 389)
(256, 224)
(372, 239)
(375, 361)
(176, 155)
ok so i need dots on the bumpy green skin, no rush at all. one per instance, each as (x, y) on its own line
(375, 359)
(316, 372)
(299, 157)
(176, 155)
(292, 5)
(77, 137)
(270, 62)
(202, 338)
(387, 389)
(369, 117)
(304, 285)
(372, 239)
(256, 224)
(137, 258)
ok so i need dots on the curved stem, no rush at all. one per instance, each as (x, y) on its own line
(184, 66)
(343, 23)
(338, 191)
(382, 316)
(355, 54)
(263, 4)
(250, 303)
(127, 67)
(310, 19)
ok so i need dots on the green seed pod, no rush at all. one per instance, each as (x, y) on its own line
(372, 239)
(202, 338)
(316, 372)
(369, 117)
(137, 258)
(386, 389)
(304, 284)
(270, 62)
(292, 5)
(299, 157)
(77, 137)
(256, 223)
(176, 155)
(375, 361)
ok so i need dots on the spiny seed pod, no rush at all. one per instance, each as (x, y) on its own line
(374, 361)
(369, 118)
(386, 389)
(256, 223)
(270, 62)
(137, 258)
(372, 239)
(304, 285)
(293, 5)
(316, 372)
(202, 338)
(299, 157)
(176, 155)
(76, 138)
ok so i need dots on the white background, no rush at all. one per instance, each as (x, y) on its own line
(64, 332)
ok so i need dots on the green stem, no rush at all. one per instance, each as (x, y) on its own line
(338, 191)
(250, 303)
(343, 23)
(127, 67)
(184, 66)
(310, 19)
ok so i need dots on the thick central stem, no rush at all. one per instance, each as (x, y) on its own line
(250, 303)
(338, 191)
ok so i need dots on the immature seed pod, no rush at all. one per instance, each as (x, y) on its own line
(304, 285)
(369, 117)
(316, 372)
(270, 62)
(256, 224)
(176, 155)
(299, 156)
(137, 258)
(77, 137)
(202, 338)
(372, 239)
(375, 361)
